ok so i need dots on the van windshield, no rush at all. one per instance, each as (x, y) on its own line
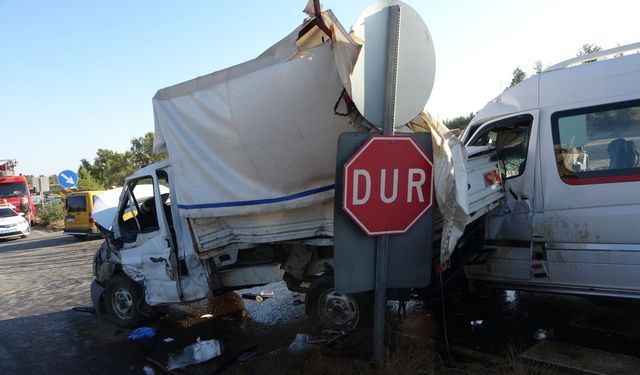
(13, 189)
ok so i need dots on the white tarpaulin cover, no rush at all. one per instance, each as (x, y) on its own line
(253, 147)
(259, 137)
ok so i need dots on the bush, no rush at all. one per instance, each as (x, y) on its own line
(50, 213)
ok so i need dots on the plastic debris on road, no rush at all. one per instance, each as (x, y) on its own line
(142, 333)
(199, 352)
(304, 342)
(542, 334)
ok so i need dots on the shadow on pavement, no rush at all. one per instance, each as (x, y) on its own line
(27, 244)
(65, 342)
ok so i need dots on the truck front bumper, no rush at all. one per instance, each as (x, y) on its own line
(97, 297)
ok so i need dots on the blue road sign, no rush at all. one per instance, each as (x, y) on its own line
(67, 179)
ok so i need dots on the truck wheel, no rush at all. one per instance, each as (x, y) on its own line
(122, 299)
(336, 311)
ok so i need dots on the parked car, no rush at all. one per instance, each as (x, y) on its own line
(78, 208)
(13, 224)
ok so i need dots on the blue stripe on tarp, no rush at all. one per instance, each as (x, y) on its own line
(258, 201)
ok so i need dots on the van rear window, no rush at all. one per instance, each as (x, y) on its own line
(598, 144)
(76, 203)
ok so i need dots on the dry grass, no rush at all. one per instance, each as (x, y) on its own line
(409, 349)
(522, 366)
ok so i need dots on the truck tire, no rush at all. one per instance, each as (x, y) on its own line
(123, 297)
(334, 311)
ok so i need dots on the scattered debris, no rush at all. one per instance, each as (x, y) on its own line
(256, 297)
(148, 370)
(304, 342)
(159, 366)
(260, 297)
(477, 323)
(248, 354)
(301, 344)
(168, 339)
(85, 309)
(199, 352)
(142, 333)
(542, 334)
(206, 316)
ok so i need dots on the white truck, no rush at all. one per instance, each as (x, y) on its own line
(246, 195)
(569, 138)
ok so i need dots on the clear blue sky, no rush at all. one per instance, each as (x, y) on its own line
(76, 76)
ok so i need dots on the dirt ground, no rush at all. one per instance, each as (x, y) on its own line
(48, 327)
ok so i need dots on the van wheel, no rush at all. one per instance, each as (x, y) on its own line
(123, 297)
(336, 311)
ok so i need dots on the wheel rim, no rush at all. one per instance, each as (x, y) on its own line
(338, 311)
(122, 303)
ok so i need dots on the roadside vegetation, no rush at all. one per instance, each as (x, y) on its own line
(109, 168)
(51, 214)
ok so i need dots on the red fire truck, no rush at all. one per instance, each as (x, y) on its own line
(14, 190)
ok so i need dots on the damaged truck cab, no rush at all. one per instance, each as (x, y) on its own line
(151, 258)
(569, 139)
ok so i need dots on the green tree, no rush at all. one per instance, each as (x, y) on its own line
(142, 151)
(518, 76)
(110, 168)
(84, 163)
(537, 67)
(86, 180)
(459, 122)
(588, 49)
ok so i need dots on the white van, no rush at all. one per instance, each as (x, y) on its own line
(569, 139)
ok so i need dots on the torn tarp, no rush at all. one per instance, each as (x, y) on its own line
(450, 177)
(259, 137)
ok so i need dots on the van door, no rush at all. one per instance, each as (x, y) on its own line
(592, 198)
(509, 227)
(76, 220)
(146, 252)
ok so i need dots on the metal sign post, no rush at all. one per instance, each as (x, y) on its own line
(382, 243)
(390, 84)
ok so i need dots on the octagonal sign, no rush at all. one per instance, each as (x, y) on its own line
(388, 184)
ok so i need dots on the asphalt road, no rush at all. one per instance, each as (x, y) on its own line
(42, 278)
(46, 326)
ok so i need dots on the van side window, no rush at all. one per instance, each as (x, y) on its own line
(599, 144)
(510, 138)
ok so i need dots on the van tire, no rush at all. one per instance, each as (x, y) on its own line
(330, 310)
(123, 298)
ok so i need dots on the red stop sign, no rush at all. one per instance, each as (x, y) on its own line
(388, 184)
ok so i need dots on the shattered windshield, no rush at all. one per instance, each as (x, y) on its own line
(13, 189)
